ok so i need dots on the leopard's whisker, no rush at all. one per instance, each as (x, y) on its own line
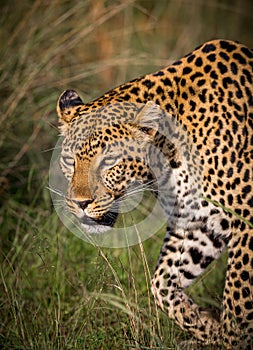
(55, 191)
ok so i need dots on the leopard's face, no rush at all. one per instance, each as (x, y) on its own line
(103, 162)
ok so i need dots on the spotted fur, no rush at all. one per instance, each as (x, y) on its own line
(209, 92)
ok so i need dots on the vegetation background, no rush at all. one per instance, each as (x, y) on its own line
(57, 292)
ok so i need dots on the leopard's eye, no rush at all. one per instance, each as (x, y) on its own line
(67, 164)
(109, 161)
(68, 160)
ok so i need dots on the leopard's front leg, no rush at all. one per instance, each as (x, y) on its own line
(184, 256)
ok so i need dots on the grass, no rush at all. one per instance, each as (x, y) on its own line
(57, 292)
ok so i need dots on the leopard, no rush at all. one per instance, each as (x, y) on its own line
(118, 139)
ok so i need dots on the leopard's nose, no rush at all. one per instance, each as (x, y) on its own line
(83, 204)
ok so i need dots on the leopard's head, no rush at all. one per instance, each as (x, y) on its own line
(104, 153)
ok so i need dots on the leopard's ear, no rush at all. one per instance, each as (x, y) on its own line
(67, 107)
(147, 120)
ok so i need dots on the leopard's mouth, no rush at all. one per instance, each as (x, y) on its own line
(105, 223)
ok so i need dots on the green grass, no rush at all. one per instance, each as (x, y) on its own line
(57, 292)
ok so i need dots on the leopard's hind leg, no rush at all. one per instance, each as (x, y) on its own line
(237, 315)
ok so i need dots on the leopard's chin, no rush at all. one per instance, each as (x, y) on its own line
(95, 229)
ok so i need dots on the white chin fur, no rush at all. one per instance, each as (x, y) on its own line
(96, 228)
